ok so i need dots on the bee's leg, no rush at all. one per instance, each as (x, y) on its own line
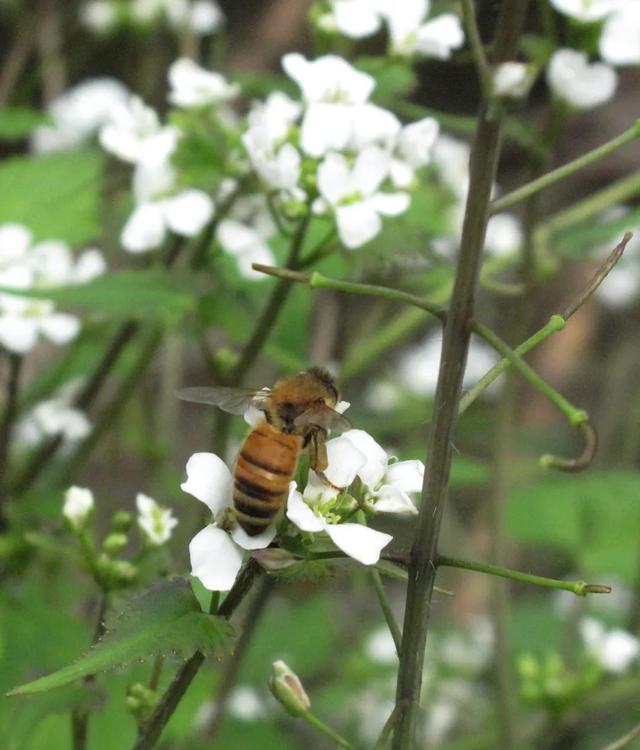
(318, 460)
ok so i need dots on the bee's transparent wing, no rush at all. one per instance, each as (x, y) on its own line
(232, 400)
(325, 417)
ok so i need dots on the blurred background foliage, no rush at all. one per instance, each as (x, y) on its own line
(189, 322)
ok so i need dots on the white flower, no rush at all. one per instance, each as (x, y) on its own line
(78, 114)
(78, 504)
(380, 647)
(52, 418)
(205, 17)
(247, 244)
(338, 114)
(157, 523)
(620, 39)
(413, 150)
(418, 368)
(586, 11)
(504, 235)
(353, 194)
(49, 263)
(99, 16)
(193, 86)
(245, 703)
(512, 80)
(580, 84)
(133, 133)
(216, 557)
(409, 35)
(355, 18)
(615, 650)
(451, 158)
(355, 540)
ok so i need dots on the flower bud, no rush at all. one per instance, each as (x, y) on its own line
(141, 701)
(288, 690)
(114, 543)
(78, 504)
(122, 521)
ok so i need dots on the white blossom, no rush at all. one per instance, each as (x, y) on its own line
(504, 235)
(451, 158)
(193, 86)
(338, 114)
(512, 80)
(353, 194)
(25, 267)
(586, 11)
(380, 647)
(78, 114)
(411, 34)
(354, 18)
(155, 522)
(413, 148)
(246, 703)
(614, 650)
(55, 417)
(247, 244)
(205, 17)
(620, 38)
(581, 84)
(99, 16)
(78, 504)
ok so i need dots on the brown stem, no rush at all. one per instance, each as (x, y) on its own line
(6, 427)
(422, 566)
(50, 44)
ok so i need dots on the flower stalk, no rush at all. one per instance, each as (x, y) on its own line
(422, 568)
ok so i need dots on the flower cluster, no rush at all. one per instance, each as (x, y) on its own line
(383, 486)
(28, 266)
(410, 32)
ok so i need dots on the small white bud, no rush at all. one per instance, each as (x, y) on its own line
(78, 504)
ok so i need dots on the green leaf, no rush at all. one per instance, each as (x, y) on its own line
(166, 619)
(57, 196)
(18, 122)
(148, 295)
(595, 517)
(393, 79)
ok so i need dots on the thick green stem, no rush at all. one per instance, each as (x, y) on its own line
(550, 178)
(579, 588)
(389, 617)
(422, 565)
(475, 43)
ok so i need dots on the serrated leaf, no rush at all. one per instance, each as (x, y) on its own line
(57, 196)
(166, 619)
(147, 295)
(18, 122)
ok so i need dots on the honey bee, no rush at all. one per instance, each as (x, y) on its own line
(299, 412)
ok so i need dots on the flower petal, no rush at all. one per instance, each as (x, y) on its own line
(18, 334)
(359, 542)
(209, 480)
(391, 204)
(300, 514)
(406, 475)
(346, 460)
(375, 465)
(391, 499)
(60, 327)
(145, 229)
(188, 212)
(215, 559)
(259, 541)
(357, 223)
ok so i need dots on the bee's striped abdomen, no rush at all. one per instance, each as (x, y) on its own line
(263, 470)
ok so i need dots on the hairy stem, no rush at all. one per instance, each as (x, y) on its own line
(422, 565)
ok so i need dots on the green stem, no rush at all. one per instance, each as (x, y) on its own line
(422, 569)
(386, 731)
(550, 178)
(322, 727)
(576, 417)
(625, 741)
(149, 733)
(579, 588)
(475, 43)
(389, 617)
